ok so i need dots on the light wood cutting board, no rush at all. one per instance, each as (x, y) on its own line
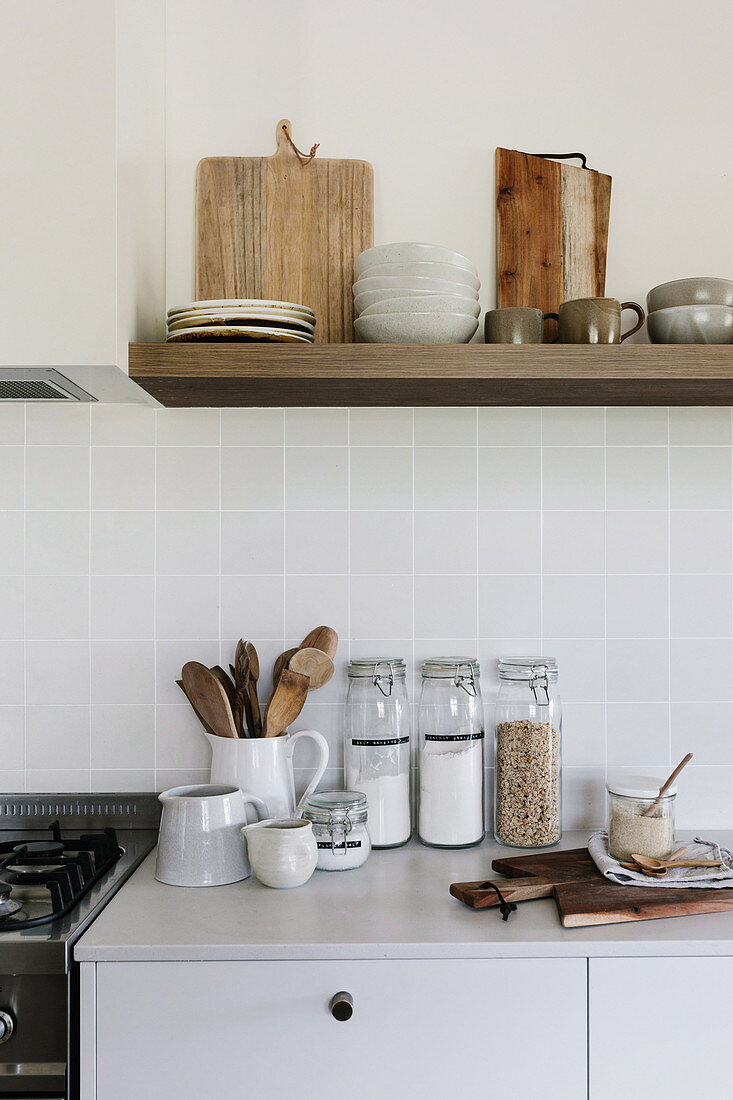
(278, 228)
(551, 232)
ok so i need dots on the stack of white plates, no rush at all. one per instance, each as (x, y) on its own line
(415, 294)
(242, 319)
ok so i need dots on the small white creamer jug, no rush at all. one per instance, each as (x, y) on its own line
(283, 852)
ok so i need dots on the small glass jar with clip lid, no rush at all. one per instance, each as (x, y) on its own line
(451, 737)
(377, 746)
(527, 774)
(339, 821)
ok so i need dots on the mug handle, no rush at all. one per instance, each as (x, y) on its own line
(322, 743)
(552, 317)
(260, 806)
(639, 313)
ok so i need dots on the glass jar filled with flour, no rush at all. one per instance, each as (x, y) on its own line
(634, 828)
(527, 775)
(377, 746)
(451, 762)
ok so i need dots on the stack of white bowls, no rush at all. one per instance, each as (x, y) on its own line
(415, 294)
(691, 311)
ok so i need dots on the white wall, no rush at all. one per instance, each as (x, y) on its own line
(426, 91)
(130, 539)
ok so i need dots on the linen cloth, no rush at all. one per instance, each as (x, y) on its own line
(701, 877)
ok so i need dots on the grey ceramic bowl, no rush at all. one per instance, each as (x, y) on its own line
(408, 251)
(416, 328)
(691, 325)
(370, 297)
(690, 292)
(425, 303)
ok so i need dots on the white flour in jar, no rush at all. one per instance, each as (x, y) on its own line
(451, 794)
(388, 806)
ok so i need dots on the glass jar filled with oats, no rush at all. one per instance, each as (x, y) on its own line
(528, 773)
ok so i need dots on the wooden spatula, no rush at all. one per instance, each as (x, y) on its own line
(313, 663)
(244, 720)
(208, 698)
(286, 702)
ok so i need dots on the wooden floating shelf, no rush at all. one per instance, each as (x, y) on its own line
(217, 375)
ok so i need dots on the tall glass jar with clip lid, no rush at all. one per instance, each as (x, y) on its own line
(527, 792)
(451, 734)
(377, 746)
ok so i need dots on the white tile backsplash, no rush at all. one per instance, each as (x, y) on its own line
(134, 540)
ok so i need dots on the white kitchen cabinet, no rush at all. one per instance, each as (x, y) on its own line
(660, 1027)
(58, 201)
(432, 1028)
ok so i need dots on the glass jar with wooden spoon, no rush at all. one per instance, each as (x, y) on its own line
(629, 829)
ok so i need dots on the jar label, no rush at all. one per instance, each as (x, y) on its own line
(458, 737)
(338, 847)
(380, 741)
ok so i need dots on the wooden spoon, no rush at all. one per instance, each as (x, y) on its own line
(313, 663)
(667, 783)
(208, 698)
(324, 638)
(286, 702)
(648, 864)
(203, 722)
(282, 662)
(226, 682)
(254, 675)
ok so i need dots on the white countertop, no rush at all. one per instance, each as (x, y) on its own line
(396, 906)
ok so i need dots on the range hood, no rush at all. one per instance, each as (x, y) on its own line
(106, 385)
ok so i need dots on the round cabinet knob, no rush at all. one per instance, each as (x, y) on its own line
(342, 1006)
(6, 1026)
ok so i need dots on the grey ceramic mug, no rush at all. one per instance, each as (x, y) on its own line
(514, 325)
(595, 320)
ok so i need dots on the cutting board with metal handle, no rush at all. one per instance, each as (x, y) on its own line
(551, 231)
(286, 227)
(582, 895)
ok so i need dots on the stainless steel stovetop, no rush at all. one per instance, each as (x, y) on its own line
(83, 848)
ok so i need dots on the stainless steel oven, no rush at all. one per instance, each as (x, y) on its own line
(61, 860)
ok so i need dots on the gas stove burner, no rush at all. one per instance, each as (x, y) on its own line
(40, 848)
(7, 905)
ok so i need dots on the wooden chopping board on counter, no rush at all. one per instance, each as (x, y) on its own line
(551, 231)
(583, 896)
(286, 228)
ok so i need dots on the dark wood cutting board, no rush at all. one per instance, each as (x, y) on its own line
(583, 896)
(551, 232)
(285, 229)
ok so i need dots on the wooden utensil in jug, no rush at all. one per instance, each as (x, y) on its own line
(208, 698)
(313, 663)
(286, 702)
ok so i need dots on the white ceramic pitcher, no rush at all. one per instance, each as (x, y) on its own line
(200, 842)
(264, 766)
